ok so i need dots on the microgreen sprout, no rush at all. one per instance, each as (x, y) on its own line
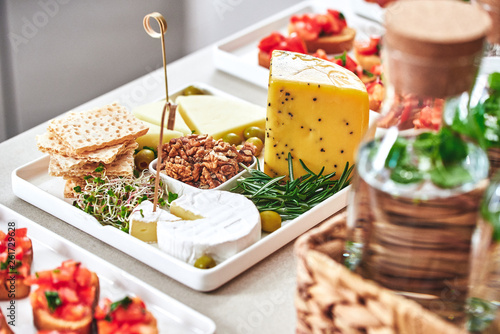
(111, 199)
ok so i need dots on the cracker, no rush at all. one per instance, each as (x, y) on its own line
(49, 143)
(71, 183)
(90, 130)
(123, 165)
(66, 163)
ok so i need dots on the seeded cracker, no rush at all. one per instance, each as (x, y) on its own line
(122, 166)
(50, 143)
(68, 163)
(97, 128)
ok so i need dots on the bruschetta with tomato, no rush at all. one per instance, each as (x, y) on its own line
(367, 53)
(16, 256)
(126, 316)
(328, 31)
(65, 299)
(277, 41)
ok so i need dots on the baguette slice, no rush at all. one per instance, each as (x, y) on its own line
(264, 59)
(366, 61)
(333, 44)
(4, 327)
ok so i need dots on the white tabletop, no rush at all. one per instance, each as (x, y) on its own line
(258, 301)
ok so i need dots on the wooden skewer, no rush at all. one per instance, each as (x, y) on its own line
(171, 107)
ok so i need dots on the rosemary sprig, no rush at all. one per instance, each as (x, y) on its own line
(295, 196)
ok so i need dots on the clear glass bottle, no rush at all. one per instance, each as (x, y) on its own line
(492, 7)
(484, 301)
(414, 203)
(478, 116)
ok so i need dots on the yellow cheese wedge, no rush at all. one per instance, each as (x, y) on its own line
(318, 111)
(217, 116)
(152, 138)
(152, 113)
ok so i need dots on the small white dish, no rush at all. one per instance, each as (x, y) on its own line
(180, 187)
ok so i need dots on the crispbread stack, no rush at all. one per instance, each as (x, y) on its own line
(80, 141)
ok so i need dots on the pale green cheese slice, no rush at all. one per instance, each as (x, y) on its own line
(217, 116)
(152, 138)
(152, 113)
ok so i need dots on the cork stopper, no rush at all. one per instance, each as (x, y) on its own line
(492, 7)
(433, 47)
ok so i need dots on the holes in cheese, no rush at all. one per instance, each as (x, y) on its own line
(318, 111)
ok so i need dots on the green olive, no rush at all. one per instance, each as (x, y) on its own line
(259, 145)
(254, 131)
(205, 262)
(232, 138)
(239, 147)
(270, 221)
(143, 158)
(192, 90)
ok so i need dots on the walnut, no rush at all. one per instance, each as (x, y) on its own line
(203, 162)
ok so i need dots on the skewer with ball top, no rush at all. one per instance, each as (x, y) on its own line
(171, 107)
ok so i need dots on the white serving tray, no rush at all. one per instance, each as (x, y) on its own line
(238, 53)
(369, 10)
(32, 183)
(50, 250)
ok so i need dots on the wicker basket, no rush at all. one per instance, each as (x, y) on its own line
(332, 299)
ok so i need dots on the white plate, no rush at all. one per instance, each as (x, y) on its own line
(32, 183)
(50, 250)
(238, 54)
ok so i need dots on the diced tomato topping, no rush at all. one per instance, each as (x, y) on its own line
(367, 48)
(21, 232)
(56, 332)
(312, 26)
(124, 318)
(19, 253)
(276, 41)
(68, 295)
(344, 60)
(269, 43)
(73, 312)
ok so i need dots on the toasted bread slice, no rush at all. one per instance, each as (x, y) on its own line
(14, 289)
(264, 59)
(335, 43)
(149, 328)
(44, 320)
(367, 61)
(4, 327)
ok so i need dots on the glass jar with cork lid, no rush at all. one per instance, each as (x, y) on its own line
(415, 198)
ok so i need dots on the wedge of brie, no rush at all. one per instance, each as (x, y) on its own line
(230, 223)
(143, 221)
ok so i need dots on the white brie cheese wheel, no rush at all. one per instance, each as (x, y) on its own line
(143, 221)
(230, 223)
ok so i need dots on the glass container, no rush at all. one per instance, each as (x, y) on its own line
(414, 203)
